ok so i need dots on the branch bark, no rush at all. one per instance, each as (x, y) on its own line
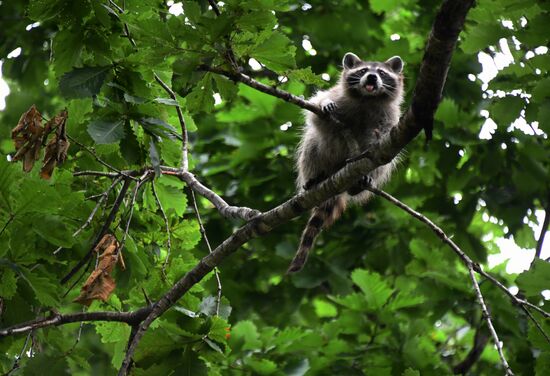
(56, 319)
(543, 231)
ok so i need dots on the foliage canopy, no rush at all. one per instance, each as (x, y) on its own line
(381, 295)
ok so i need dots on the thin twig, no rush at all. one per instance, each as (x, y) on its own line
(464, 257)
(103, 231)
(139, 183)
(489, 320)
(537, 324)
(184, 142)
(203, 232)
(18, 358)
(102, 198)
(97, 158)
(226, 210)
(271, 90)
(168, 232)
(10, 219)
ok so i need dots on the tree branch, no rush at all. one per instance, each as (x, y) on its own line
(543, 230)
(103, 231)
(489, 320)
(271, 90)
(480, 341)
(226, 210)
(184, 138)
(56, 319)
(203, 233)
(472, 267)
(447, 25)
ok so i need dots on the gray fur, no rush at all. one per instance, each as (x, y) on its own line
(325, 145)
(366, 100)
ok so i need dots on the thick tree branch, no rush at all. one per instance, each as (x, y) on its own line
(56, 319)
(480, 341)
(448, 24)
(543, 231)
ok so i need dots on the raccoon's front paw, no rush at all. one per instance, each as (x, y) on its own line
(329, 107)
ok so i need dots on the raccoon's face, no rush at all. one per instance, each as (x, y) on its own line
(372, 78)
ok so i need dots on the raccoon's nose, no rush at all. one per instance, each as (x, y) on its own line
(372, 79)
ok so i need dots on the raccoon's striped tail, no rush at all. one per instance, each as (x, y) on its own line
(321, 217)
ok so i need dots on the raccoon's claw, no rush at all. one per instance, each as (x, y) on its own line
(329, 108)
(365, 182)
(314, 181)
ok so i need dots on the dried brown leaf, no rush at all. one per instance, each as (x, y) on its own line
(100, 284)
(56, 150)
(27, 137)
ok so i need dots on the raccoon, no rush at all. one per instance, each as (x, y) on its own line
(366, 103)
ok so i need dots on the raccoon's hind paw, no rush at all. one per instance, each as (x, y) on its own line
(365, 182)
(314, 181)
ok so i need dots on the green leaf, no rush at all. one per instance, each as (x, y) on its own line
(45, 291)
(83, 82)
(507, 109)
(167, 101)
(255, 20)
(159, 127)
(8, 283)
(411, 372)
(67, 46)
(42, 10)
(306, 76)
(155, 157)
(324, 308)
(191, 364)
(41, 363)
(375, 289)
(201, 98)
(533, 281)
(276, 52)
(171, 198)
(543, 364)
(262, 366)
(379, 6)
(247, 332)
(112, 332)
(129, 147)
(188, 232)
(54, 230)
(541, 90)
(105, 131)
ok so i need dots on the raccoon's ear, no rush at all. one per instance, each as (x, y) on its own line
(350, 60)
(395, 63)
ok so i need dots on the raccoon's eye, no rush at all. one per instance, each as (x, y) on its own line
(382, 72)
(362, 71)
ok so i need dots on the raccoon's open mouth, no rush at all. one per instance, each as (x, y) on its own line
(371, 88)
